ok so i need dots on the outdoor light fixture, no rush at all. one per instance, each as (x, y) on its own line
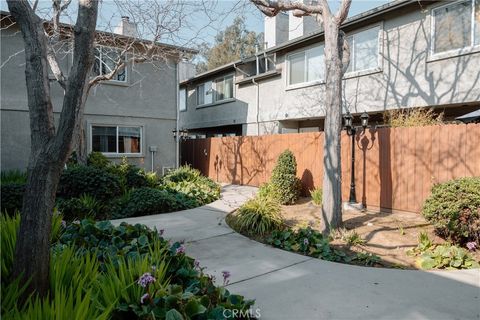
(352, 131)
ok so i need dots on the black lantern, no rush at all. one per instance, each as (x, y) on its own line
(348, 120)
(364, 118)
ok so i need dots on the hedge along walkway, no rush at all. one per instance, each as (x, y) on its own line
(291, 286)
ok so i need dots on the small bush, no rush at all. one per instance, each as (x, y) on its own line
(12, 197)
(412, 117)
(259, 216)
(78, 180)
(284, 178)
(98, 160)
(183, 173)
(268, 190)
(13, 177)
(147, 201)
(454, 209)
(317, 195)
(138, 178)
(446, 256)
(80, 208)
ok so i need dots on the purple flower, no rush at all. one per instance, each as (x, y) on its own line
(161, 232)
(64, 223)
(144, 297)
(146, 279)
(196, 264)
(472, 246)
(180, 249)
(305, 241)
(226, 274)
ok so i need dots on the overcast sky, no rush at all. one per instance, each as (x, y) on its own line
(223, 12)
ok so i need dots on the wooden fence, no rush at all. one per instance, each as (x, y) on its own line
(394, 168)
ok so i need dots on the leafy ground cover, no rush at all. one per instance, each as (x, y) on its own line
(99, 271)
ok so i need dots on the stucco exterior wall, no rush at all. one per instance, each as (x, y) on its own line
(148, 99)
(408, 76)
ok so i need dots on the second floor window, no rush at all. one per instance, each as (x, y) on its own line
(364, 50)
(106, 59)
(306, 66)
(456, 26)
(224, 88)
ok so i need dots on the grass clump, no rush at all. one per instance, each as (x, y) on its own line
(317, 196)
(259, 216)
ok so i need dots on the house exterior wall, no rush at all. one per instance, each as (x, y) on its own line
(148, 99)
(408, 76)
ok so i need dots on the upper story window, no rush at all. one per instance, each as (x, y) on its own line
(182, 99)
(364, 50)
(456, 26)
(116, 139)
(106, 59)
(307, 66)
(218, 90)
(224, 88)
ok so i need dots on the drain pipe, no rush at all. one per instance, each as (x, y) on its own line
(177, 100)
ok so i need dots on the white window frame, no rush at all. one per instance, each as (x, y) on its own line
(305, 83)
(117, 154)
(378, 68)
(100, 47)
(453, 52)
(213, 91)
(183, 96)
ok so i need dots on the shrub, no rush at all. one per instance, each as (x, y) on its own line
(79, 208)
(446, 256)
(317, 195)
(138, 178)
(259, 216)
(454, 209)
(12, 197)
(284, 178)
(78, 180)
(268, 190)
(13, 177)
(412, 117)
(147, 201)
(98, 160)
(183, 173)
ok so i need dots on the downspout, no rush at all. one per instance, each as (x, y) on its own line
(177, 100)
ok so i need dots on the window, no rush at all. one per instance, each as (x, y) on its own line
(116, 139)
(224, 88)
(182, 100)
(204, 93)
(210, 92)
(307, 66)
(364, 48)
(456, 26)
(106, 59)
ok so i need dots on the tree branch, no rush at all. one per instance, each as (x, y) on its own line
(272, 8)
(345, 51)
(342, 13)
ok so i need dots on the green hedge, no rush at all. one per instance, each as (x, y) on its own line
(454, 209)
(284, 178)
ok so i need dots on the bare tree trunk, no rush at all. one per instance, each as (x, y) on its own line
(49, 149)
(332, 176)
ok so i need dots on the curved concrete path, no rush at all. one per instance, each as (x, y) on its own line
(291, 286)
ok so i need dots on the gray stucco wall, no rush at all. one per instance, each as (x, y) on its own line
(148, 99)
(408, 76)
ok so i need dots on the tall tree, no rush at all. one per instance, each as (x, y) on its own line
(230, 45)
(337, 58)
(50, 146)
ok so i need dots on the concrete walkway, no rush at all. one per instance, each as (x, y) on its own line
(291, 286)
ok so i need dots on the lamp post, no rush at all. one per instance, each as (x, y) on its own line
(352, 131)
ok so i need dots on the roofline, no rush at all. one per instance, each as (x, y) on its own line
(377, 11)
(4, 13)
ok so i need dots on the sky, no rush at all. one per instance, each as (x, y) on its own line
(199, 29)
